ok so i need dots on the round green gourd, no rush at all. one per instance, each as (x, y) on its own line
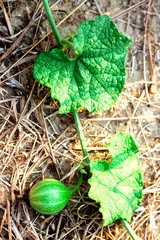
(49, 196)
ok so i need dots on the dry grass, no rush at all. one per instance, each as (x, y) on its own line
(36, 142)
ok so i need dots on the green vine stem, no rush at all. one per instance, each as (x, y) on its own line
(129, 230)
(81, 136)
(59, 42)
(70, 44)
(52, 22)
(78, 184)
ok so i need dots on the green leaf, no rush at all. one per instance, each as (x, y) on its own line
(117, 186)
(95, 78)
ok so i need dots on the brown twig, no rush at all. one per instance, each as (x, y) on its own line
(16, 42)
(129, 9)
(9, 25)
(98, 7)
(48, 139)
(152, 87)
(9, 220)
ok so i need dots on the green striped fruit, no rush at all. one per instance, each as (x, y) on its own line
(49, 196)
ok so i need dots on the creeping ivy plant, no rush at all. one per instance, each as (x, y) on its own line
(93, 80)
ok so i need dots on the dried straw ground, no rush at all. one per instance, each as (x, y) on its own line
(36, 142)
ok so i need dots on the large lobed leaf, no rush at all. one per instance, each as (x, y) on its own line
(117, 186)
(95, 78)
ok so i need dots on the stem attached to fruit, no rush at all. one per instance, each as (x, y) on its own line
(52, 22)
(81, 136)
(129, 230)
(78, 184)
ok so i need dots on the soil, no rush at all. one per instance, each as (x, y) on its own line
(36, 142)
